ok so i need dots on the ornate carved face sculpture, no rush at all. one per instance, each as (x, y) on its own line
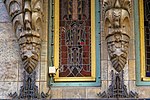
(30, 50)
(27, 23)
(117, 30)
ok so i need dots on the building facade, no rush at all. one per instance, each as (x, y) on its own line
(74, 49)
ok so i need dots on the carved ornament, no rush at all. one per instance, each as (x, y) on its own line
(27, 19)
(117, 30)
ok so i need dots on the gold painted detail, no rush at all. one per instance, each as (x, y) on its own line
(27, 20)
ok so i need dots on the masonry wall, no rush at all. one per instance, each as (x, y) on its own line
(11, 67)
(9, 55)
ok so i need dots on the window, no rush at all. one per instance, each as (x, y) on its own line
(76, 48)
(145, 39)
(143, 42)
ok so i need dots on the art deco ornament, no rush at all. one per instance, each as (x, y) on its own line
(117, 30)
(26, 16)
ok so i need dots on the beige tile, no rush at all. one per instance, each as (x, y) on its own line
(74, 92)
(44, 71)
(38, 71)
(126, 71)
(44, 58)
(104, 70)
(44, 87)
(104, 86)
(132, 70)
(45, 21)
(126, 83)
(103, 37)
(132, 86)
(131, 53)
(132, 34)
(44, 52)
(57, 93)
(104, 52)
(91, 92)
(143, 91)
(110, 68)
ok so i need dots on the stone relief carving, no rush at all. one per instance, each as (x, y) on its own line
(117, 30)
(26, 17)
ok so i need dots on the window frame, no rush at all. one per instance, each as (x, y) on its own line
(95, 79)
(141, 78)
(56, 46)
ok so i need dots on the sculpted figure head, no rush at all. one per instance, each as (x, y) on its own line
(26, 16)
(117, 31)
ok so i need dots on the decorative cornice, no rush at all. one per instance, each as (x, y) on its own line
(26, 16)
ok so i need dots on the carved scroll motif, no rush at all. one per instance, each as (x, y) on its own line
(26, 16)
(117, 30)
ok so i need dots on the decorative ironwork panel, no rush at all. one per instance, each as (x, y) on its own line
(75, 38)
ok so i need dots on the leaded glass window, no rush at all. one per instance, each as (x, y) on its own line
(75, 37)
(74, 40)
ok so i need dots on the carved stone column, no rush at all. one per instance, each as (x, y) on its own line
(27, 18)
(117, 29)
